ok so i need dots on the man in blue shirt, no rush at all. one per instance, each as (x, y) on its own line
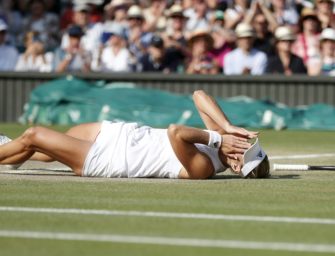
(9, 54)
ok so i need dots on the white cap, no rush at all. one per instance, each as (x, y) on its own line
(328, 33)
(244, 30)
(285, 34)
(3, 25)
(135, 12)
(252, 158)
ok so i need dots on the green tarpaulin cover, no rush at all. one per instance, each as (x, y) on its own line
(72, 101)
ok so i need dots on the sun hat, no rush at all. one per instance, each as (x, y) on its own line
(252, 158)
(116, 3)
(284, 33)
(135, 12)
(176, 10)
(308, 12)
(328, 34)
(201, 33)
(244, 30)
(3, 25)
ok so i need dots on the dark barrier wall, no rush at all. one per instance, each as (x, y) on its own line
(15, 87)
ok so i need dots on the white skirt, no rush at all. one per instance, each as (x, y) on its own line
(127, 150)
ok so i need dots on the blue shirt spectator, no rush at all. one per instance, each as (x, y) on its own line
(9, 54)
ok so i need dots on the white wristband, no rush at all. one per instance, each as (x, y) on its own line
(215, 139)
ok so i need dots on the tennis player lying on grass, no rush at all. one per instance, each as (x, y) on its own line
(118, 149)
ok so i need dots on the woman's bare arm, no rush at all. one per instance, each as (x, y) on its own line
(214, 118)
(197, 165)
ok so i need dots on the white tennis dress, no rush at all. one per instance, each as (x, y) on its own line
(129, 150)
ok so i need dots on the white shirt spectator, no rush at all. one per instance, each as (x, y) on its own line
(8, 59)
(42, 63)
(237, 61)
(109, 61)
(90, 41)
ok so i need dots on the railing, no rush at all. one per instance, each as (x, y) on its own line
(15, 87)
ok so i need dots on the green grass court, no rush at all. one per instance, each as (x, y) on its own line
(228, 206)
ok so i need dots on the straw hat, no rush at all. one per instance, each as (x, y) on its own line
(244, 30)
(201, 33)
(308, 12)
(135, 12)
(116, 3)
(284, 34)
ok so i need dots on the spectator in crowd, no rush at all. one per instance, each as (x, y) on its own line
(284, 61)
(95, 13)
(218, 19)
(73, 57)
(13, 19)
(325, 63)
(66, 15)
(325, 12)
(236, 13)
(175, 30)
(158, 59)
(264, 23)
(284, 13)
(307, 45)
(224, 41)
(46, 24)
(154, 16)
(9, 54)
(91, 39)
(198, 16)
(174, 36)
(138, 39)
(34, 58)
(201, 44)
(114, 56)
(116, 12)
(245, 59)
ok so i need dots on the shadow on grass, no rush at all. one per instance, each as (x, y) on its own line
(234, 177)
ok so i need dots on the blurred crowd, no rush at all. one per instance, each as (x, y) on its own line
(230, 37)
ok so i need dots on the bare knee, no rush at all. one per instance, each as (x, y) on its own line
(30, 136)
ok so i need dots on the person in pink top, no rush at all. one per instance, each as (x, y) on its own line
(307, 43)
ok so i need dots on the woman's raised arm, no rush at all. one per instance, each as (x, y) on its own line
(214, 118)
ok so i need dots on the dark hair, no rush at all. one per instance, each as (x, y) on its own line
(262, 170)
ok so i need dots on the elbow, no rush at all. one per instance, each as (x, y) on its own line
(198, 93)
(173, 130)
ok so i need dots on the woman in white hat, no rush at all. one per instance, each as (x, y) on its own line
(324, 64)
(284, 61)
(118, 149)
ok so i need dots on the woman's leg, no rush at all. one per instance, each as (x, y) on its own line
(61, 147)
(87, 132)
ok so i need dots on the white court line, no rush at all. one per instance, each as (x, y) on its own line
(171, 241)
(302, 156)
(175, 215)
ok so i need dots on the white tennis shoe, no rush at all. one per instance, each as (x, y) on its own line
(3, 140)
